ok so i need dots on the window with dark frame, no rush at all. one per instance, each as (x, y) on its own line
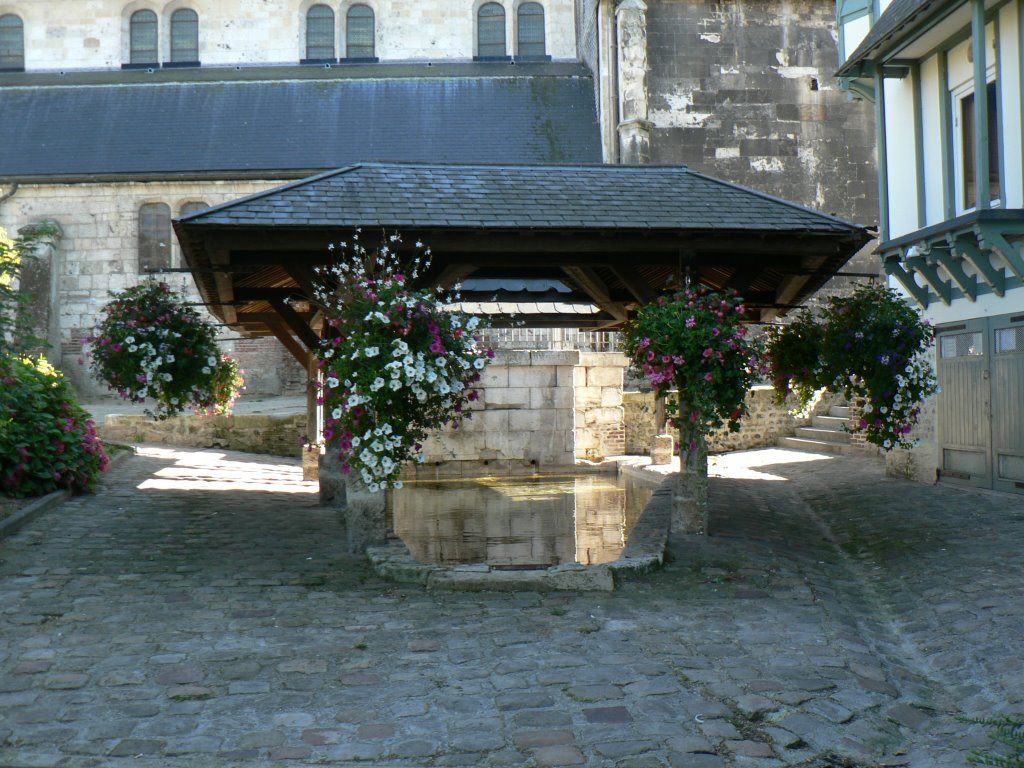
(320, 33)
(968, 136)
(184, 36)
(143, 38)
(530, 30)
(12, 43)
(359, 32)
(490, 25)
(154, 237)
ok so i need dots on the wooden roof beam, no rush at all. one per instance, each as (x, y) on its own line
(591, 282)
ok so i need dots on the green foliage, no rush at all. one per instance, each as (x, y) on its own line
(151, 345)
(1009, 732)
(794, 351)
(871, 346)
(16, 335)
(695, 341)
(47, 442)
(396, 362)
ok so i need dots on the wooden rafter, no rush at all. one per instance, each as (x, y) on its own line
(590, 281)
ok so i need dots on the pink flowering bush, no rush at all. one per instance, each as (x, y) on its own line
(694, 341)
(395, 362)
(150, 346)
(873, 347)
(47, 442)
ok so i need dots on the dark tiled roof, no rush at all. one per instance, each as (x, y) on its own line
(538, 197)
(298, 126)
(901, 18)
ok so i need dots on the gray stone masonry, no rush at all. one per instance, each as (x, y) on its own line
(200, 611)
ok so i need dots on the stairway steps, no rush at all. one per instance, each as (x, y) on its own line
(828, 422)
(823, 435)
(839, 411)
(813, 446)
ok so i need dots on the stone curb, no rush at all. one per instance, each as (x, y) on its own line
(644, 552)
(11, 525)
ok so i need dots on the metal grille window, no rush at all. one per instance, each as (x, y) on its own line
(960, 345)
(490, 26)
(530, 30)
(184, 35)
(142, 36)
(359, 34)
(12, 42)
(320, 33)
(1010, 340)
(154, 237)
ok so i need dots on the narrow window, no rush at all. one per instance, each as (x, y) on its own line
(185, 36)
(359, 33)
(12, 43)
(490, 31)
(154, 237)
(195, 206)
(530, 30)
(968, 137)
(320, 33)
(142, 34)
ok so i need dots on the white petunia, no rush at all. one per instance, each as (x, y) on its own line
(336, 414)
(479, 363)
(211, 361)
(332, 382)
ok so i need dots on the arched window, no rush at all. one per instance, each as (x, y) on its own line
(530, 30)
(319, 33)
(359, 32)
(12, 42)
(142, 34)
(154, 237)
(184, 36)
(193, 206)
(490, 31)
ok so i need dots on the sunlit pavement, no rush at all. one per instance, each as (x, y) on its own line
(199, 611)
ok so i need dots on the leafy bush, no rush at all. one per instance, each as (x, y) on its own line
(872, 346)
(695, 341)
(395, 362)
(47, 442)
(151, 345)
(1009, 734)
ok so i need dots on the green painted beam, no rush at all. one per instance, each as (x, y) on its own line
(984, 200)
(968, 249)
(954, 266)
(893, 268)
(993, 238)
(931, 276)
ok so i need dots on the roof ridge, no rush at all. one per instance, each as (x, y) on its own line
(774, 199)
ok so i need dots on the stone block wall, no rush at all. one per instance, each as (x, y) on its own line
(98, 254)
(523, 419)
(600, 416)
(765, 423)
(273, 435)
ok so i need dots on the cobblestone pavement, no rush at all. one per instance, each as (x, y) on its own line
(198, 612)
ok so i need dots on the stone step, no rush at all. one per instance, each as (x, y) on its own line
(814, 446)
(825, 435)
(828, 422)
(839, 411)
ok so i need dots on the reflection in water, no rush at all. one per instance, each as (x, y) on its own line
(517, 522)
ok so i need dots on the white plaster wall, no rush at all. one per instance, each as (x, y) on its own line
(70, 34)
(988, 305)
(1010, 98)
(901, 154)
(854, 33)
(931, 121)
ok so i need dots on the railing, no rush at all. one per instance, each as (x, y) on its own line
(555, 339)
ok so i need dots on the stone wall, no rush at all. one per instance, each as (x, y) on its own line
(600, 427)
(766, 422)
(274, 435)
(98, 253)
(94, 35)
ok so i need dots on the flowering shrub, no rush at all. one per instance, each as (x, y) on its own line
(873, 347)
(794, 352)
(395, 362)
(694, 341)
(47, 442)
(150, 345)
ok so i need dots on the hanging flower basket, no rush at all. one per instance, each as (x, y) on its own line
(396, 362)
(151, 347)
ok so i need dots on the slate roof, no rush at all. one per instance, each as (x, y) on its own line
(295, 127)
(900, 19)
(606, 197)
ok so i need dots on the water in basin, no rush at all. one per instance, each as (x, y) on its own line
(516, 522)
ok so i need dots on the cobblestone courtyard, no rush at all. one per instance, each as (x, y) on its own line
(198, 612)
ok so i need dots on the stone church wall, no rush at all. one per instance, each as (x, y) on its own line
(98, 253)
